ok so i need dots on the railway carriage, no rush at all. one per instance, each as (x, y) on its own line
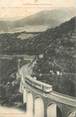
(38, 84)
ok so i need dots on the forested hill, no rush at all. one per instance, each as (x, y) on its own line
(36, 43)
(15, 43)
(56, 63)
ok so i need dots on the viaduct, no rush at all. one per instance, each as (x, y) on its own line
(52, 104)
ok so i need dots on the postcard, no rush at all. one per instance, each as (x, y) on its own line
(37, 58)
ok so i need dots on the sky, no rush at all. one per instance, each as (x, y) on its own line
(15, 9)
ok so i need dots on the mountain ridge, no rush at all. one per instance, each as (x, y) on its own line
(49, 18)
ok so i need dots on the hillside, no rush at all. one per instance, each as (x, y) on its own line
(56, 59)
(15, 43)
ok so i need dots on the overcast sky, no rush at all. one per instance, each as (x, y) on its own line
(22, 8)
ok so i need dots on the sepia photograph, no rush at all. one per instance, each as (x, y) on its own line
(38, 58)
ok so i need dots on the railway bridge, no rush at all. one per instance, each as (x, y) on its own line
(42, 104)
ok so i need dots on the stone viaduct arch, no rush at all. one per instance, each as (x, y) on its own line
(51, 110)
(30, 103)
(39, 107)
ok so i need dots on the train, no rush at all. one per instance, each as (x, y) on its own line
(38, 84)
